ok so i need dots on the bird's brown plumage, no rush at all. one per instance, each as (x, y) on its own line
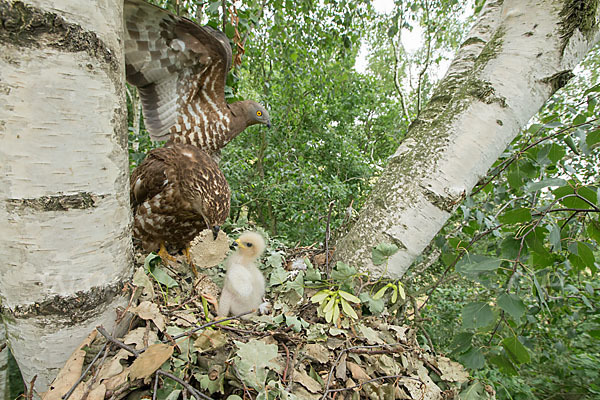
(180, 69)
(176, 192)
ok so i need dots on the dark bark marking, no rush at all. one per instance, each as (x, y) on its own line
(26, 26)
(79, 307)
(54, 203)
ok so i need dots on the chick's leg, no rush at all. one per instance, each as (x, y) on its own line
(224, 303)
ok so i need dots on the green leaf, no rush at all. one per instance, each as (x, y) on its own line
(503, 363)
(349, 297)
(278, 276)
(380, 292)
(297, 284)
(382, 252)
(593, 229)
(473, 359)
(515, 216)
(161, 276)
(375, 306)
(462, 342)
(329, 306)
(556, 153)
(535, 186)
(252, 361)
(593, 139)
(342, 272)
(571, 143)
(348, 310)
(477, 315)
(513, 305)
(320, 296)
(555, 237)
(586, 254)
(473, 265)
(394, 295)
(516, 350)
(401, 291)
(574, 202)
(295, 323)
(475, 391)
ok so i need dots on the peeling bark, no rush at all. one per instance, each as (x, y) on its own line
(65, 245)
(515, 57)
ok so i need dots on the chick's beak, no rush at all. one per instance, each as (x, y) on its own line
(215, 230)
(235, 244)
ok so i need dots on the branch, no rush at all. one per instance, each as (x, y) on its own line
(122, 345)
(183, 383)
(217, 321)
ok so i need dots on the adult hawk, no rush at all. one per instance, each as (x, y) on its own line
(176, 192)
(180, 69)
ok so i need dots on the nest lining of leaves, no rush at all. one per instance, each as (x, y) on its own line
(324, 339)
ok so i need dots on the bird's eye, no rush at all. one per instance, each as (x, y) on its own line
(259, 113)
(249, 244)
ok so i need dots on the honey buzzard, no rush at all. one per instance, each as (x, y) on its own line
(176, 192)
(180, 69)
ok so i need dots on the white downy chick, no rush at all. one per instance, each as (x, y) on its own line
(244, 283)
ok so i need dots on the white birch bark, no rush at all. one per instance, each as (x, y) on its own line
(65, 245)
(4, 389)
(518, 53)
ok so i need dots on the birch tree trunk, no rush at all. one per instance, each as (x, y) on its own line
(65, 246)
(517, 54)
(4, 389)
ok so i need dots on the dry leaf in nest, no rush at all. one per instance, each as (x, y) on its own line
(150, 360)
(451, 371)
(70, 373)
(97, 393)
(357, 372)
(141, 280)
(207, 252)
(317, 352)
(210, 340)
(301, 377)
(147, 310)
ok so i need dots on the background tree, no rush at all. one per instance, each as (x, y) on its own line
(65, 240)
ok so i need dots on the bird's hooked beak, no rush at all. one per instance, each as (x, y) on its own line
(235, 244)
(215, 230)
(269, 124)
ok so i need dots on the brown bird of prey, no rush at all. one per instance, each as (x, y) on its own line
(180, 69)
(176, 192)
(244, 283)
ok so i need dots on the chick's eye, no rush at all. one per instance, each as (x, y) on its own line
(249, 244)
(259, 113)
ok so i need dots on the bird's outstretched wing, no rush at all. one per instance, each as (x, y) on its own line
(173, 61)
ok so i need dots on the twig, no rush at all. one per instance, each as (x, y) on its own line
(287, 362)
(337, 360)
(217, 321)
(84, 373)
(155, 386)
(183, 383)
(122, 345)
(30, 392)
(327, 237)
(374, 380)
(367, 351)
